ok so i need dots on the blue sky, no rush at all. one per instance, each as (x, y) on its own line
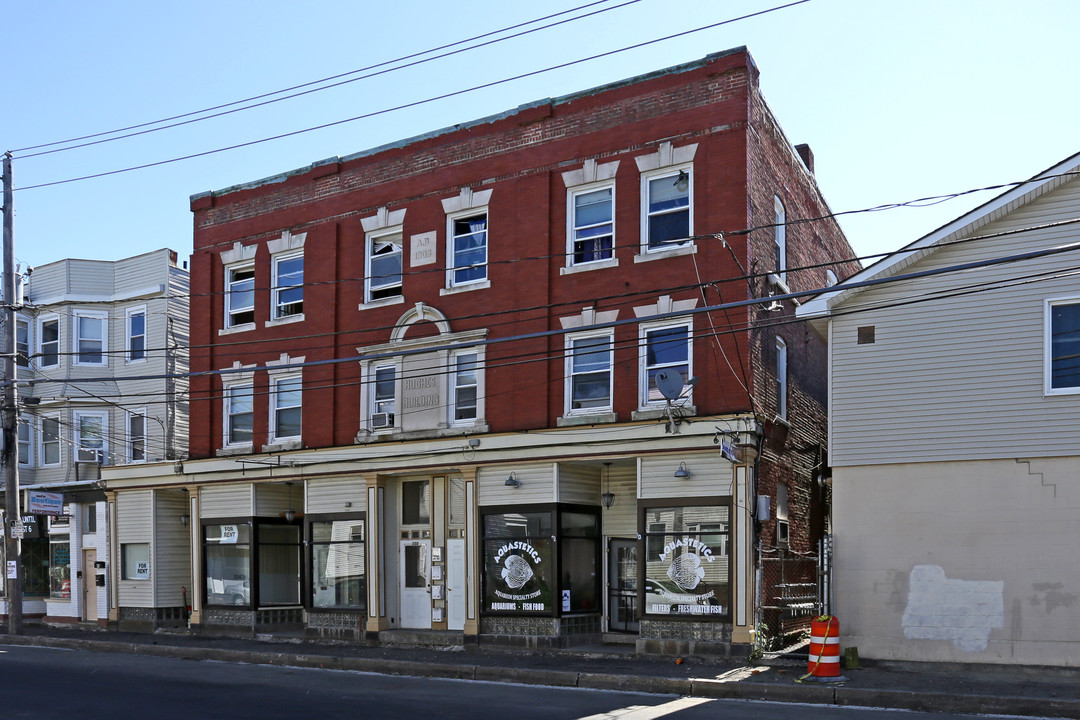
(898, 100)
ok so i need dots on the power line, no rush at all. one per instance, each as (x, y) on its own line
(674, 315)
(317, 82)
(416, 103)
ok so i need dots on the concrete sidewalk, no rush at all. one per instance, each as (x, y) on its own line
(1010, 690)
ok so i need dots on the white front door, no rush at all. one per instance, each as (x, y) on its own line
(455, 584)
(89, 585)
(415, 563)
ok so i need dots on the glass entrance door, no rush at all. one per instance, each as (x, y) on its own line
(623, 585)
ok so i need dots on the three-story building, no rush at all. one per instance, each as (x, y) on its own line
(101, 358)
(518, 380)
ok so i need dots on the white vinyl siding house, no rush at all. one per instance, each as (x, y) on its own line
(953, 453)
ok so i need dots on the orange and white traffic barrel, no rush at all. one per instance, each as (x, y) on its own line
(824, 659)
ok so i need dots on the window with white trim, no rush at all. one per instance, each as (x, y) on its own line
(468, 247)
(383, 393)
(781, 379)
(667, 207)
(384, 264)
(49, 450)
(136, 334)
(239, 295)
(588, 373)
(287, 297)
(239, 415)
(780, 238)
(48, 341)
(465, 387)
(90, 431)
(591, 219)
(664, 348)
(136, 436)
(26, 442)
(22, 342)
(286, 395)
(91, 333)
(1062, 353)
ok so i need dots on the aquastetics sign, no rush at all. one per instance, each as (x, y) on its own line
(513, 571)
(685, 591)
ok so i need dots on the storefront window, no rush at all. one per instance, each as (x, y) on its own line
(135, 561)
(518, 563)
(337, 564)
(579, 553)
(228, 564)
(686, 566)
(60, 568)
(35, 557)
(279, 564)
(521, 574)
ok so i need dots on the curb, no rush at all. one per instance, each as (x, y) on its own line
(841, 696)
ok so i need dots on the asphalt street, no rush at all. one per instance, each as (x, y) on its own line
(51, 683)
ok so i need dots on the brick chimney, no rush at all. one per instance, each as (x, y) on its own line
(807, 156)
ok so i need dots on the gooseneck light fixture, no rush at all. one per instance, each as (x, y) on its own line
(682, 473)
(512, 481)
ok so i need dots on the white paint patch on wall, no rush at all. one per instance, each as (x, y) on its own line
(941, 608)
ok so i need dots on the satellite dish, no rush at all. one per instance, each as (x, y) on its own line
(670, 384)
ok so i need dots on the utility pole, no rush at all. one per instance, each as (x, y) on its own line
(10, 419)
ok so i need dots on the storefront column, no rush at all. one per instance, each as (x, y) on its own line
(376, 557)
(742, 536)
(113, 551)
(473, 567)
(195, 547)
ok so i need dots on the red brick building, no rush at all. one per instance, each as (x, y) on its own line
(448, 380)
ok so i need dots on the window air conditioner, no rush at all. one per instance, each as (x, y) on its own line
(382, 420)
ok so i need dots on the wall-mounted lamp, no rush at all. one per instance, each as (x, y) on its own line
(185, 519)
(512, 481)
(682, 473)
(682, 183)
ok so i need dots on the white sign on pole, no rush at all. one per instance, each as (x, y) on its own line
(12, 570)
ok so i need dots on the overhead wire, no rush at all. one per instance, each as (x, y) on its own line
(415, 103)
(373, 67)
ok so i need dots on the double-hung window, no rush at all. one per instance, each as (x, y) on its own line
(592, 224)
(49, 451)
(90, 430)
(781, 379)
(468, 248)
(384, 258)
(664, 349)
(465, 387)
(780, 238)
(26, 442)
(383, 393)
(288, 293)
(91, 332)
(1062, 346)
(668, 210)
(22, 343)
(48, 342)
(588, 373)
(239, 415)
(239, 296)
(136, 334)
(286, 395)
(136, 436)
